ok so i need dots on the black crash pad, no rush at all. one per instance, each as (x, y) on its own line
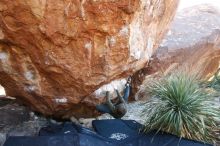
(65, 140)
(107, 133)
(126, 133)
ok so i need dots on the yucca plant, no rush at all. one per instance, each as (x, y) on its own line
(181, 106)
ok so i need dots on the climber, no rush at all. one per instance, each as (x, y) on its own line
(119, 108)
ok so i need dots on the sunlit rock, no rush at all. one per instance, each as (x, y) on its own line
(55, 53)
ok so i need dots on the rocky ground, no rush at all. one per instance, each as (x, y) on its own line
(20, 121)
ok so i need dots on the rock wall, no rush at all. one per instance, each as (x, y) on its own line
(191, 45)
(53, 54)
(193, 42)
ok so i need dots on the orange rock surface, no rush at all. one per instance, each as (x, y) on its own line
(54, 53)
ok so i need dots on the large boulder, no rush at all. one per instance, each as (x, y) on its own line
(192, 45)
(54, 53)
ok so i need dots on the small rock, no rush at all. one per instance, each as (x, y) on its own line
(86, 122)
(74, 120)
(55, 122)
(2, 139)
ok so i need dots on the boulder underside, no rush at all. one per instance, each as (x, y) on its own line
(54, 54)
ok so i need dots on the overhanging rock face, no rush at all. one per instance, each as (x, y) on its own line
(55, 53)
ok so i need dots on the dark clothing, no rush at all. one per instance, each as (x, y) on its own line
(118, 109)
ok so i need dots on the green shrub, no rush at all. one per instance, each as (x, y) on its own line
(181, 106)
